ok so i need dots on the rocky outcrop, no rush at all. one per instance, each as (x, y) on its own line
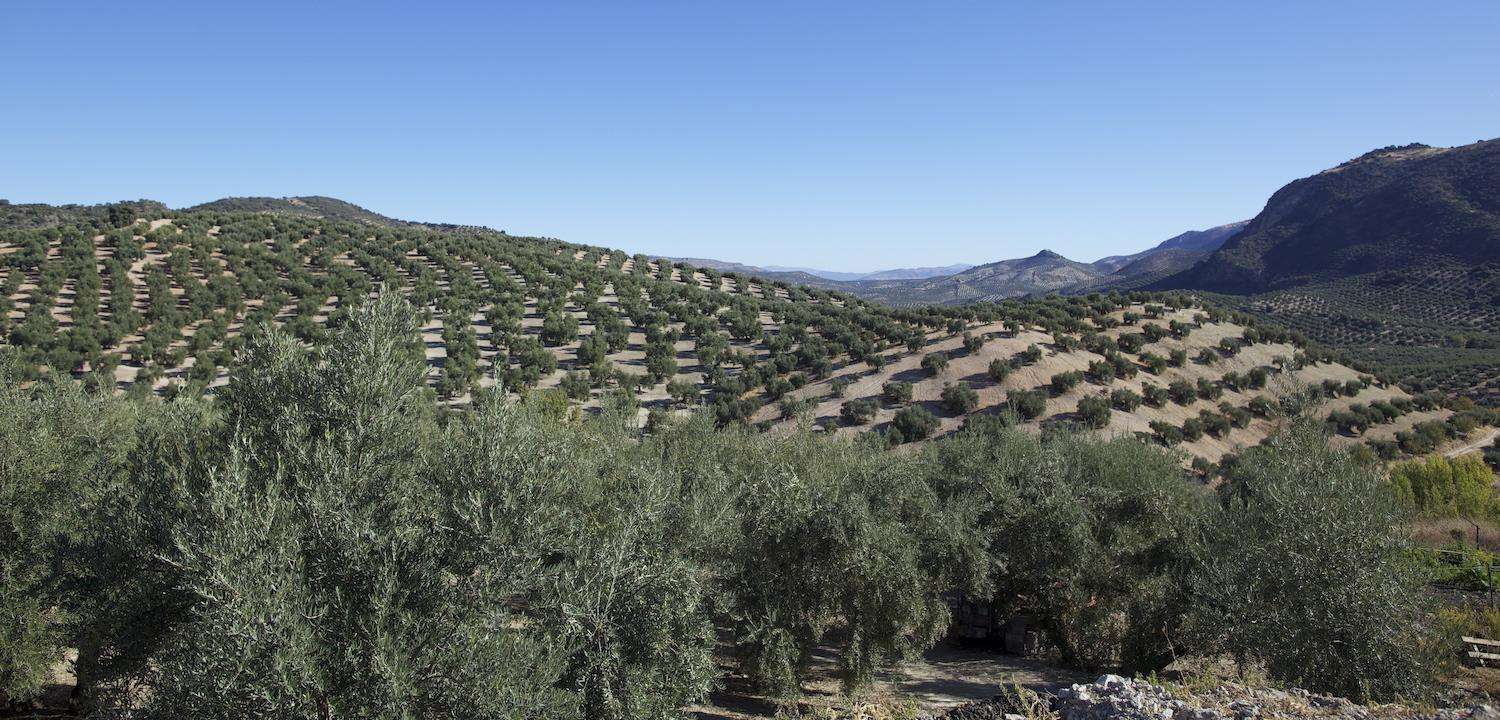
(1112, 697)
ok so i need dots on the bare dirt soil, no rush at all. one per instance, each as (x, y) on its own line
(946, 676)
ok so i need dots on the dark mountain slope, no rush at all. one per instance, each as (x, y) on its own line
(1390, 209)
(1128, 272)
(1194, 244)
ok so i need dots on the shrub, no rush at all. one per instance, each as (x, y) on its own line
(1125, 399)
(998, 370)
(683, 391)
(858, 411)
(840, 385)
(896, 392)
(1437, 486)
(914, 422)
(1182, 392)
(1307, 555)
(575, 385)
(1154, 395)
(1029, 404)
(972, 343)
(1166, 432)
(1065, 381)
(959, 398)
(1030, 355)
(935, 363)
(1094, 411)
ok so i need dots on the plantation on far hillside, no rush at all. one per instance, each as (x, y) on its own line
(1437, 328)
(151, 301)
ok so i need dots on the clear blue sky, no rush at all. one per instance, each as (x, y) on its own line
(846, 136)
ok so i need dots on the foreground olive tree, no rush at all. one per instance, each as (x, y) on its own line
(1091, 538)
(351, 558)
(314, 543)
(56, 443)
(812, 542)
(1308, 573)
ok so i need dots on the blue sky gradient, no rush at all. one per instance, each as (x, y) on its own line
(846, 136)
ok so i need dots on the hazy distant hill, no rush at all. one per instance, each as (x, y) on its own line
(1041, 273)
(792, 274)
(1389, 209)
(825, 274)
(917, 273)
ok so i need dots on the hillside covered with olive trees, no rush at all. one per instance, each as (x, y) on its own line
(148, 300)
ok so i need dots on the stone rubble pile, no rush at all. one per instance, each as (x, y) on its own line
(1112, 697)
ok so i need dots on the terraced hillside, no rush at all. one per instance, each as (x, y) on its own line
(1438, 326)
(152, 300)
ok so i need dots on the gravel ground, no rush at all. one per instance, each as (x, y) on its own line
(1112, 697)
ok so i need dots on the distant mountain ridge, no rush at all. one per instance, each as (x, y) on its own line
(1178, 253)
(1042, 273)
(1192, 241)
(916, 273)
(785, 272)
(1049, 272)
(1038, 274)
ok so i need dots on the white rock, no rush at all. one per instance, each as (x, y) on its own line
(1111, 681)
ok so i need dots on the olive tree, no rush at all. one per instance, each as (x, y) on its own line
(1089, 537)
(1308, 572)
